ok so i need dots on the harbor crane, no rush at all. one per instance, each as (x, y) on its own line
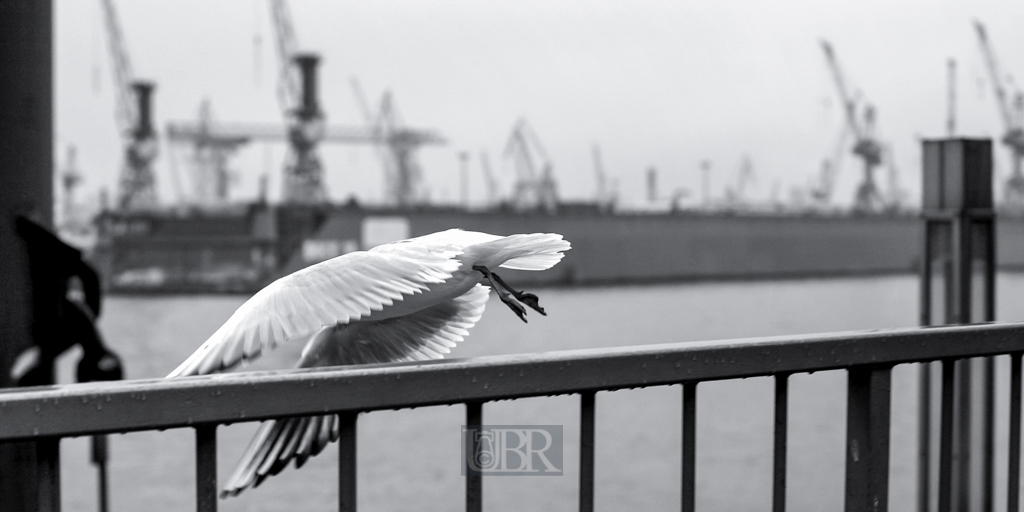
(735, 195)
(604, 196)
(214, 142)
(866, 146)
(297, 95)
(137, 181)
(489, 179)
(397, 148)
(211, 176)
(535, 188)
(1013, 119)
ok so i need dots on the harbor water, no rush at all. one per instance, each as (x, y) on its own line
(409, 459)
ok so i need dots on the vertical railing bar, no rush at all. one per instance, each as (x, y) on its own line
(868, 405)
(587, 410)
(206, 468)
(779, 450)
(1013, 464)
(924, 432)
(48, 476)
(347, 468)
(945, 497)
(100, 455)
(988, 436)
(474, 482)
(963, 442)
(689, 446)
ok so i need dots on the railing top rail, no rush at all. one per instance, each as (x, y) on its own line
(81, 409)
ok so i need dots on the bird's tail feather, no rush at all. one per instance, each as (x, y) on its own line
(537, 251)
(277, 443)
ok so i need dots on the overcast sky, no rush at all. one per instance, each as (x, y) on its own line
(662, 84)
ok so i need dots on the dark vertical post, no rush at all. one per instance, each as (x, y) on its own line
(26, 183)
(347, 461)
(310, 106)
(689, 446)
(48, 473)
(959, 240)
(100, 452)
(924, 397)
(474, 483)
(945, 499)
(587, 407)
(867, 439)
(779, 450)
(206, 468)
(1013, 455)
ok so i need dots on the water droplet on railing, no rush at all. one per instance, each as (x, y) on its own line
(485, 385)
(678, 364)
(35, 431)
(85, 400)
(99, 406)
(37, 409)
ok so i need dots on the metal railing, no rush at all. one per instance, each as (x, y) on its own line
(49, 413)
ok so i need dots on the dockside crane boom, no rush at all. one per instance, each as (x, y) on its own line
(287, 48)
(137, 181)
(868, 198)
(1013, 138)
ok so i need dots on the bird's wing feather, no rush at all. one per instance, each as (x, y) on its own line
(336, 291)
(426, 334)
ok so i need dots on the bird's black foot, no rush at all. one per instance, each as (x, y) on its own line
(506, 294)
(526, 298)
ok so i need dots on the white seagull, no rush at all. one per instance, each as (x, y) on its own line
(403, 301)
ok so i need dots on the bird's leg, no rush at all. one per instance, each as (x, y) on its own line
(526, 298)
(516, 307)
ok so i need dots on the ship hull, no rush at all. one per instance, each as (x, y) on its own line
(242, 250)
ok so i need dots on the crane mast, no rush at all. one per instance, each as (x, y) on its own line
(303, 172)
(867, 198)
(133, 112)
(490, 180)
(533, 189)
(1014, 136)
(397, 149)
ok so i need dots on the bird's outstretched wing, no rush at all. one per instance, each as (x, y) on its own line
(426, 334)
(335, 291)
